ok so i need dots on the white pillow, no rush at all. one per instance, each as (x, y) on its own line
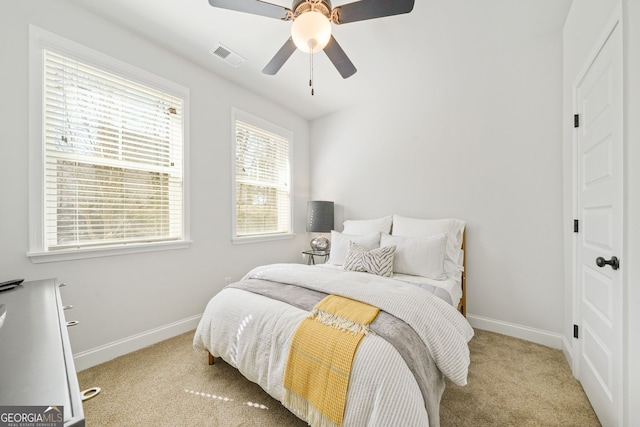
(412, 227)
(418, 256)
(340, 245)
(367, 226)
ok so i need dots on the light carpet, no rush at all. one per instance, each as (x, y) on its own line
(511, 383)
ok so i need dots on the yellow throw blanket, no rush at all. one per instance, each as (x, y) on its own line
(316, 376)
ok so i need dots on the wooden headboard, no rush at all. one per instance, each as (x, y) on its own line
(462, 305)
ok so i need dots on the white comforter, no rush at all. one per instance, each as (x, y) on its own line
(253, 334)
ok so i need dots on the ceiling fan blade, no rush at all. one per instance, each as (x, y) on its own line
(280, 57)
(371, 9)
(339, 59)
(255, 7)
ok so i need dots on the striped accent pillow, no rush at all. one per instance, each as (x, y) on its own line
(377, 261)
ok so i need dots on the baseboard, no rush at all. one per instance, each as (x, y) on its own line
(538, 336)
(104, 353)
(567, 350)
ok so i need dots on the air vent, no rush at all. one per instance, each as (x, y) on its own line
(227, 55)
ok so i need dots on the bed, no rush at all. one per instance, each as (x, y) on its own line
(416, 336)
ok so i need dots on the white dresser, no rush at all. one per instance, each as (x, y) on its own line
(36, 363)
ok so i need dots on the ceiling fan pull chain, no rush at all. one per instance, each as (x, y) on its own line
(311, 71)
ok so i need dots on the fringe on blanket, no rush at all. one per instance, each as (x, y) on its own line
(305, 410)
(338, 322)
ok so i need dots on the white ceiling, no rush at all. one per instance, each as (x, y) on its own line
(436, 35)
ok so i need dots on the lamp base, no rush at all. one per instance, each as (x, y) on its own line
(320, 243)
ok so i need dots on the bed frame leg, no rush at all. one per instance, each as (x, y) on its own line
(210, 358)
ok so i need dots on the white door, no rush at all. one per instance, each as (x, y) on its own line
(599, 162)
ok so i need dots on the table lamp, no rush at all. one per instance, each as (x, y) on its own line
(319, 220)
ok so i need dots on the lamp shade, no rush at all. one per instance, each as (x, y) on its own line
(311, 31)
(319, 216)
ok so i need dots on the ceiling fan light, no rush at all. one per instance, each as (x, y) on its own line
(311, 31)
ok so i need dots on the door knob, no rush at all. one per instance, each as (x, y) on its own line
(613, 262)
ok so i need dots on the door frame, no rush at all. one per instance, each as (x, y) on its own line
(615, 21)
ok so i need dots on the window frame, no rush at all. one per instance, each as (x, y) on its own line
(40, 40)
(238, 114)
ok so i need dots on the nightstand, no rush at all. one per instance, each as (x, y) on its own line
(311, 256)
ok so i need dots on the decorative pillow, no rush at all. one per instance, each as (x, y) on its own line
(367, 226)
(340, 245)
(412, 227)
(419, 256)
(377, 261)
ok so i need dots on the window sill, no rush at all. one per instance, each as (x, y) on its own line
(254, 239)
(85, 253)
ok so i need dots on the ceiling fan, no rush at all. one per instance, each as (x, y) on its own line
(311, 28)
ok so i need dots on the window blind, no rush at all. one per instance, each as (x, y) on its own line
(113, 158)
(263, 196)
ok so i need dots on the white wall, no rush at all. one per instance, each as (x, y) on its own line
(585, 23)
(481, 141)
(141, 297)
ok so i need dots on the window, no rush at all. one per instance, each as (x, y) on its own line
(112, 150)
(262, 179)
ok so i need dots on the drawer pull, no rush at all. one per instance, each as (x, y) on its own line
(67, 307)
(89, 393)
(72, 323)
